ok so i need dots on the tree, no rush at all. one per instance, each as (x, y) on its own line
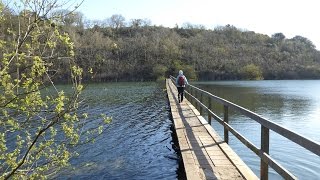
(135, 23)
(278, 36)
(38, 121)
(252, 72)
(304, 41)
(70, 18)
(190, 72)
(160, 72)
(116, 21)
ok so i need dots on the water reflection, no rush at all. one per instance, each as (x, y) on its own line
(292, 104)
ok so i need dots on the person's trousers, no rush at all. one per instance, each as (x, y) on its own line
(180, 93)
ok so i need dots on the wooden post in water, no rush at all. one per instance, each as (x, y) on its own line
(264, 148)
(226, 120)
(210, 107)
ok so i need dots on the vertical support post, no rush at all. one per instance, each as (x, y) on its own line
(210, 107)
(201, 100)
(264, 148)
(192, 93)
(226, 120)
(196, 95)
(186, 96)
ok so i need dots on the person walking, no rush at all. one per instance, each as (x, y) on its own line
(181, 83)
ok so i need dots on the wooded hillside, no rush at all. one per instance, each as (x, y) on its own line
(135, 50)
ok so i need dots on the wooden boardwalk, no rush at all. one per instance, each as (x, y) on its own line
(205, 155)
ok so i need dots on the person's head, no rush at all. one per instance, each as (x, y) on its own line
(181, 72)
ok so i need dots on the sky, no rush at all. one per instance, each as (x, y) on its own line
(290, 17)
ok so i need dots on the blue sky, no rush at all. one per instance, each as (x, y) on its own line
(294, 17)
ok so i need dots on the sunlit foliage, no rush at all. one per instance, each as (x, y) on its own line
(38, 121)
(252, 72)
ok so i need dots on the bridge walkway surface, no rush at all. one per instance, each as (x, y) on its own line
(205, 155)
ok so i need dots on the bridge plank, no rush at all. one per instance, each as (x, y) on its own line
(204, 154)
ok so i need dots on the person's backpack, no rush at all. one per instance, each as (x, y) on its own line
(181, 81)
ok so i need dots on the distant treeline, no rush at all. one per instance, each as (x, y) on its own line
(135, 50)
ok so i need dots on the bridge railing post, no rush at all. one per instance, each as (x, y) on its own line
(186, 95)
(209, 108)
(265, 148)
(226, 120)
(193, 94)
(201, 100)
(196, 96)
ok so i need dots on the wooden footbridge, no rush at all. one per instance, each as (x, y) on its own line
(205, 154)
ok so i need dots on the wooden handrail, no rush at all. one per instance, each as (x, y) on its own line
(266, 126)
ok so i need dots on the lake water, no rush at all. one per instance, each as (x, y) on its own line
(137, 144)
(294, 104)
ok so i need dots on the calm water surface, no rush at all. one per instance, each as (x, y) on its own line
(292, 104)
(138, 142)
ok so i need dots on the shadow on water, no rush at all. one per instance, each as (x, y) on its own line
(137, 144)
